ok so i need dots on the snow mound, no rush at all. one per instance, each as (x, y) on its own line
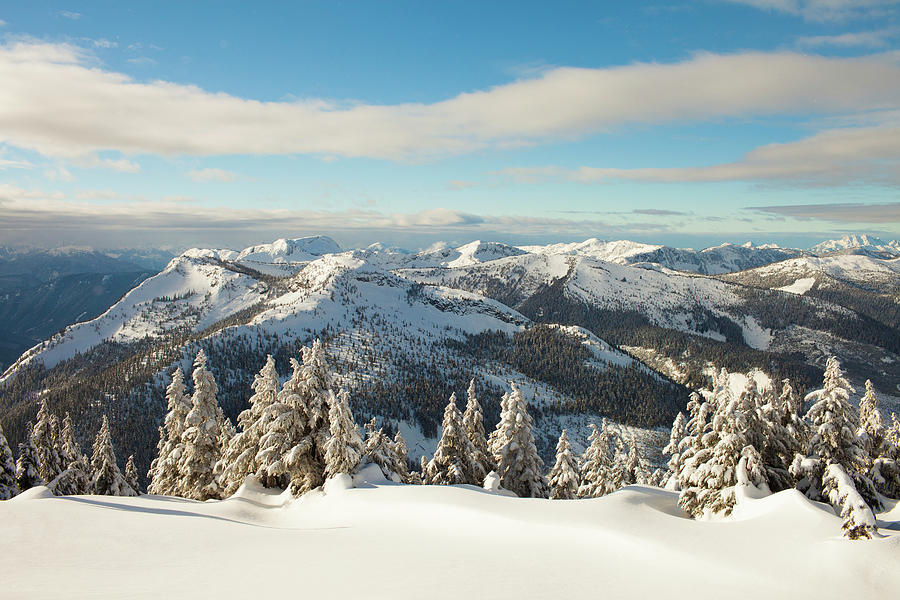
(35, 493)
(635, 543)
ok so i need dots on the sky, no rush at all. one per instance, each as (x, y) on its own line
(223, 124)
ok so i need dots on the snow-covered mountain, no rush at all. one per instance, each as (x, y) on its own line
(725, 258)
(858, 242)
(404, 330)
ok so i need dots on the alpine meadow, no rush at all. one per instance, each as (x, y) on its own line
(450, 300)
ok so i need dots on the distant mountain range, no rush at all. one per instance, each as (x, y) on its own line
(618, 329)
(43, 291)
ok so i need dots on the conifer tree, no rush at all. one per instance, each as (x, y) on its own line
(200, 439)
(76, 478)
(871, 430)
(834, 441)
(402, 452)
(629, 468)
(518, 464)
(239, 458)
(344, 447)
(454, 460)
(380, 450)
(673, 449)
(859, 520)
(164, 475)
(107, 480)
(27, 472)
(597, 463)
(131, 475)
(45, 436)
(564, 478)
(473, 422)
(8, 487)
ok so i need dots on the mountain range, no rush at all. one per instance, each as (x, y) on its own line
(617, 329)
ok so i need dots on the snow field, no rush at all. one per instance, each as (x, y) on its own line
(383, 540)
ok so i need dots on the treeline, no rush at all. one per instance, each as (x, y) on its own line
(735, 446)
(629, 395)
(631, 328)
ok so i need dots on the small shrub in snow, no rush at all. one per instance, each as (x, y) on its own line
(8, 487)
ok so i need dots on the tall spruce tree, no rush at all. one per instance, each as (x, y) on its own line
(597, 463)
(164, 475)
(564, 478)
(76, 478)
(28, 474)
(8, 487)
(344, 447)
(107, 479)
(200, 440)
(131, 475)
(46, 441)
(871, 430)
(473, 422)
(518, 463)
(240, 457)
(834, 441)
(454, 460)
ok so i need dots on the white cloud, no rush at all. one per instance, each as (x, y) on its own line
(869, 155)
(54, 103)
(104, 43)
(204, 175)
(838, 213)
(68, 14)
(123, 165)
(2, 23)
(826, 10)
(6, 163)
(867, 39)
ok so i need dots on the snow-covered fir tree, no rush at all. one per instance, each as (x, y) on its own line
(240, 456)
(473, 422)
(792, 415)
(131, 475)
(76, 478)
(597, 463)
(344, 447)
(107, 480)
(772, 439)
(164, 475)
(859, 520)
(493, 439)
(454, 460)
(673, 448)
(380, 450)
(27, 472)
(883, 445)
(8, 487)
(402, 452)
(736, 424)
(293, 445)
(629, 468)
(564, 478)
(833, 441)
(46, 440)
(518, 464)
(200, 440)
(871, 430)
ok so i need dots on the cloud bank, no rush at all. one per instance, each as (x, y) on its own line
(58, 101)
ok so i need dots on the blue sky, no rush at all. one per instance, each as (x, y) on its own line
(223, 124)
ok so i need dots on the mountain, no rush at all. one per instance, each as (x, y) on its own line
(709, 261)
(401, 347)
(584, 337)
(858, 242)
(42, 291)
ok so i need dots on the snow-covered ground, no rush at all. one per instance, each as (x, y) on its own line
(396, 541)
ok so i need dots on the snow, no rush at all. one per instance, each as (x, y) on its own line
(395, 541)
(799, 287)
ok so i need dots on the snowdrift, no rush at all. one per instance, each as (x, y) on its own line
(383, 540)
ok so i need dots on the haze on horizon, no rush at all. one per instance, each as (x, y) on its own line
(219, 124)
